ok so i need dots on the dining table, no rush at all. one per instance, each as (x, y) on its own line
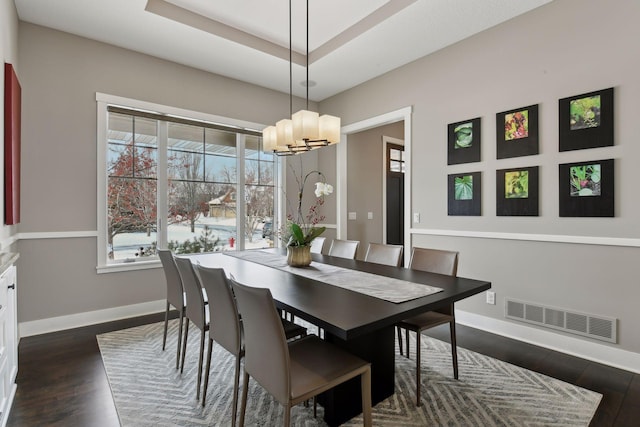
(356, 304)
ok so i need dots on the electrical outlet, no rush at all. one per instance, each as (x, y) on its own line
(369, 215)
(491, 297)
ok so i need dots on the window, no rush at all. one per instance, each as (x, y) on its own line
(259, 184)
(131, 186)
(168, 181)
(395, 154)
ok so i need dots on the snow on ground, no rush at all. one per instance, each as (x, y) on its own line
(126, 245)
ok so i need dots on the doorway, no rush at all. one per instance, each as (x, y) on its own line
(401, 115)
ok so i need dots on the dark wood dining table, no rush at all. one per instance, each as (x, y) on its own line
(362, 324)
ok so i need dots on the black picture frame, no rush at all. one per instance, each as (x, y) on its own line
(469, 150)
(513, 199)
(579, 134)
(517, 142)
(471, 204)
(572, 204)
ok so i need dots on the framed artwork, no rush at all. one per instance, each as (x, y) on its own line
(517, 132)
(586, 189)
(12, 123)
(464, 194)
(463, 142)
(586, 121)
(517, 192)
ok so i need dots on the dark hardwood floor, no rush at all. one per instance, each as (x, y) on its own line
(62, 382)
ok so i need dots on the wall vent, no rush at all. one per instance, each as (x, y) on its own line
(588, 325)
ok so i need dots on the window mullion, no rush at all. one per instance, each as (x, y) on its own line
(162, 183)
(240, 191)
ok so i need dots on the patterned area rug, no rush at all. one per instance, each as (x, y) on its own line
(149, 391)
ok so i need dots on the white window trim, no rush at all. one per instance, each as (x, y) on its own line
(103, 100)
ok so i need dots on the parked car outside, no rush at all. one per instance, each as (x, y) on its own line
(267, 229)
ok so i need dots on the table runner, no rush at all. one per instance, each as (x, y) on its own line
(386, 288)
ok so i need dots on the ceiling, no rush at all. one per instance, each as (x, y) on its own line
(350, 41)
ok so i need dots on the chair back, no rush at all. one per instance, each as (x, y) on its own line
(223, 311)
(384, 254)
(174, 283)
(317, 245)
(344, 248)
(266, 356)
(193, 289)
(434, 261)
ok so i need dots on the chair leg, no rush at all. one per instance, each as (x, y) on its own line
(287, 415)
(179, 339)
(315, 406)
(454, 349)
(365, 390)
(166, 325)
(245, 392)
(418, 383)
(184, 344)
(399, 333)
(406, 334)
(200, 357)
(236, 384)
(206, 372)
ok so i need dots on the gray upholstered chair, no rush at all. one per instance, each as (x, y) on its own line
(317, 245)
(175, 297)
(441, 262)
(344, 248)
(224, 326)
(195, 311)
(291, 371)
(384, 254)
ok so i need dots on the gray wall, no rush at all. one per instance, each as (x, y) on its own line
(9, 54)
(60, 75)
(561, 49)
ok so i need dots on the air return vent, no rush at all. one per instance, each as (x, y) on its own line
(588, 325)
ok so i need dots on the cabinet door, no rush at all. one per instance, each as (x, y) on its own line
(5, 341)
(11, 324)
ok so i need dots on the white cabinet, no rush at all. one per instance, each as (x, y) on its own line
(8, 342)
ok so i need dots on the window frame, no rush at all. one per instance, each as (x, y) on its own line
(103, 101)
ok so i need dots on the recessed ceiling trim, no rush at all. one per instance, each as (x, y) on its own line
(220, 29)
(365, 24)
(217, 28)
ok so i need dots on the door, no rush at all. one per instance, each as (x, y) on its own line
(395, 194)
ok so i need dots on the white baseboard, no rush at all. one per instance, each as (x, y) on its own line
(53, 324)
(582, 348)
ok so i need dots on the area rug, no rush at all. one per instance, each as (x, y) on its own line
(149, 391)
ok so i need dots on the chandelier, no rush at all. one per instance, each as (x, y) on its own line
(305, 130)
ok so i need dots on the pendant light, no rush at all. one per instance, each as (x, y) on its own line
(305, 130)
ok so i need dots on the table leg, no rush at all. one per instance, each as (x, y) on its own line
(344, 401)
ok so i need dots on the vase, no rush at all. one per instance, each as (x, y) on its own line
(299, 256)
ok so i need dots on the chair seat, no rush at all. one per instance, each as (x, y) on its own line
(292, 330)
(317, 366)
(425, 321)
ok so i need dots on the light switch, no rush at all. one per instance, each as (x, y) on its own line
(352, 215)
(369, 215)
(416, 217)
